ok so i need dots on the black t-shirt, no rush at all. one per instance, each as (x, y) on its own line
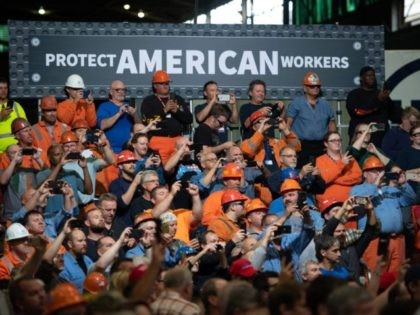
(171, 124)
(138, 206)
(244, 113)
(204, 135)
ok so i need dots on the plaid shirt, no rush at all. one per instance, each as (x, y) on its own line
(171, 303)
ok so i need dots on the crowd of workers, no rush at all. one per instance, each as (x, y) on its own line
(118, 209)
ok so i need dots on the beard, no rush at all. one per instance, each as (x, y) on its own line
(97, 229)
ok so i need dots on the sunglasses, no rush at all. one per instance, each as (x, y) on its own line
(163, 83)
(313, 86)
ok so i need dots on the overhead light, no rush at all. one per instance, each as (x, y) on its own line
(141, 14)
(126, 6)
(41, 10)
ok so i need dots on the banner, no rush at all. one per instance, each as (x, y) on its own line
(50, 55)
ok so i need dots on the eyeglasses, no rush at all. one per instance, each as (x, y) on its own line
(162, 83)
(313, 86)
(210, 160)
(289, 156)
(221, 123)
(151, 181)
(335, 140)
(120, 90)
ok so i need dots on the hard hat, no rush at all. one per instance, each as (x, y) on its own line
(288, 185)
(232, 195)
(143, 217)
(328, 204)
(254, 205)
(183, 250)
(18, 124)
(372, 162)
(95, 282)
(49, 103)
(75, 81)
(160, 76)
(256, 115)
(80, 123)
(311, 78)
(125, 156)
(61, 296)
(16, 231)
(69, 136)
(289, 173)
(167, 217)
(232, 170)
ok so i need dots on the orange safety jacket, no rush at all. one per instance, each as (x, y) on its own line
(42, 138)
(69, 111)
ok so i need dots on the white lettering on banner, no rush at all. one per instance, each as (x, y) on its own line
(79, 60)
(194, 61)
(149, 64)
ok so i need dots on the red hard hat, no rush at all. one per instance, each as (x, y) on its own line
(256, 115)
(232, 170)
(69, 136)
(254, 205)
(125, 156)
(49, 103)
(327, 204)
(62, 296)
(288, 185)
(18, 124)
(232, 195)
(311, 78)
(160, 76)
(95, 282)
(80, 123)
(372, 162)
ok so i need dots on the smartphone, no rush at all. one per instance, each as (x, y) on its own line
(359, 210)
(223, 98)
(86, 93)
(132, 102)
(73, 156)
(391, 176)
(76, 224)
(383, 247)
(172, 96)
(29, 151)
(312, 160)
(185, 184)
(377, 127)
(251, 163)
(301, 200)
(363, 201)
(55, 187)
(283, 229)
(136, 234)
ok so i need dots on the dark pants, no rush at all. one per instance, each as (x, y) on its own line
(311, 149)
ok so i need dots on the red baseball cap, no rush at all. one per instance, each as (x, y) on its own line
(242, 268)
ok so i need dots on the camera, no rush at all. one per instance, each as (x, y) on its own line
(29, 151)
(86, 93)
(55, 187)
(185, 184)
(391, 176)
(283, 229)
(92, 136)
(363, 201)
(223, 98)
(136, 234)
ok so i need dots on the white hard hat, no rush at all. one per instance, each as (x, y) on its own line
(167, 217)
(16, 231)
(75, 81)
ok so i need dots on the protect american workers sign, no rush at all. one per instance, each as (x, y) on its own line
(232, 59)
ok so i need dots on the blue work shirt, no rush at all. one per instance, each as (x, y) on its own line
(72, 271)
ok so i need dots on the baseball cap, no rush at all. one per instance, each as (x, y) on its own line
(242, 268)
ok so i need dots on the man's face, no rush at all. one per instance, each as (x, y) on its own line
(33, 296)
(232, 183)
(333, 253)
(49, 116)
(257, 94)
(313, 272)
(70, 147)
(210, 91)
(368, 79)
(74, 93)
(24, 136)
(340, 232)
(288, 158)
(106, 243)
(290, 197)
(208, 161)
(312, 90)
(415, 137)
(12, 151)
(77, 242)
(160, 194)
(20, 247)
(117, 92)
(80, 133)
(371, 175)
(235, 154)
(128, 168)
(56, 155)
(36, 224)
(218, 122)
(255, 218)
(108, 208)
(4, 90)
(141, 146)
(150, 183)
(211, 238)
(162, 88)
(95, 220)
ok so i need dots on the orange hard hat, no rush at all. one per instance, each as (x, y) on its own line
(160, 76)
(311, 78)
(327, 204)
(255, 116)
(95, 282)
(372, 162)
(232, 195)
(232, 170)
(49, 103)
(80, 123)
(125, 156)
(63, 295)
(254, 205)
(18, 124)
(288, 185)
(69, 136)
(143, 217)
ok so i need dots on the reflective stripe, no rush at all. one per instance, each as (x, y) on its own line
(6, 135)
(38, 132)
(8, 263)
